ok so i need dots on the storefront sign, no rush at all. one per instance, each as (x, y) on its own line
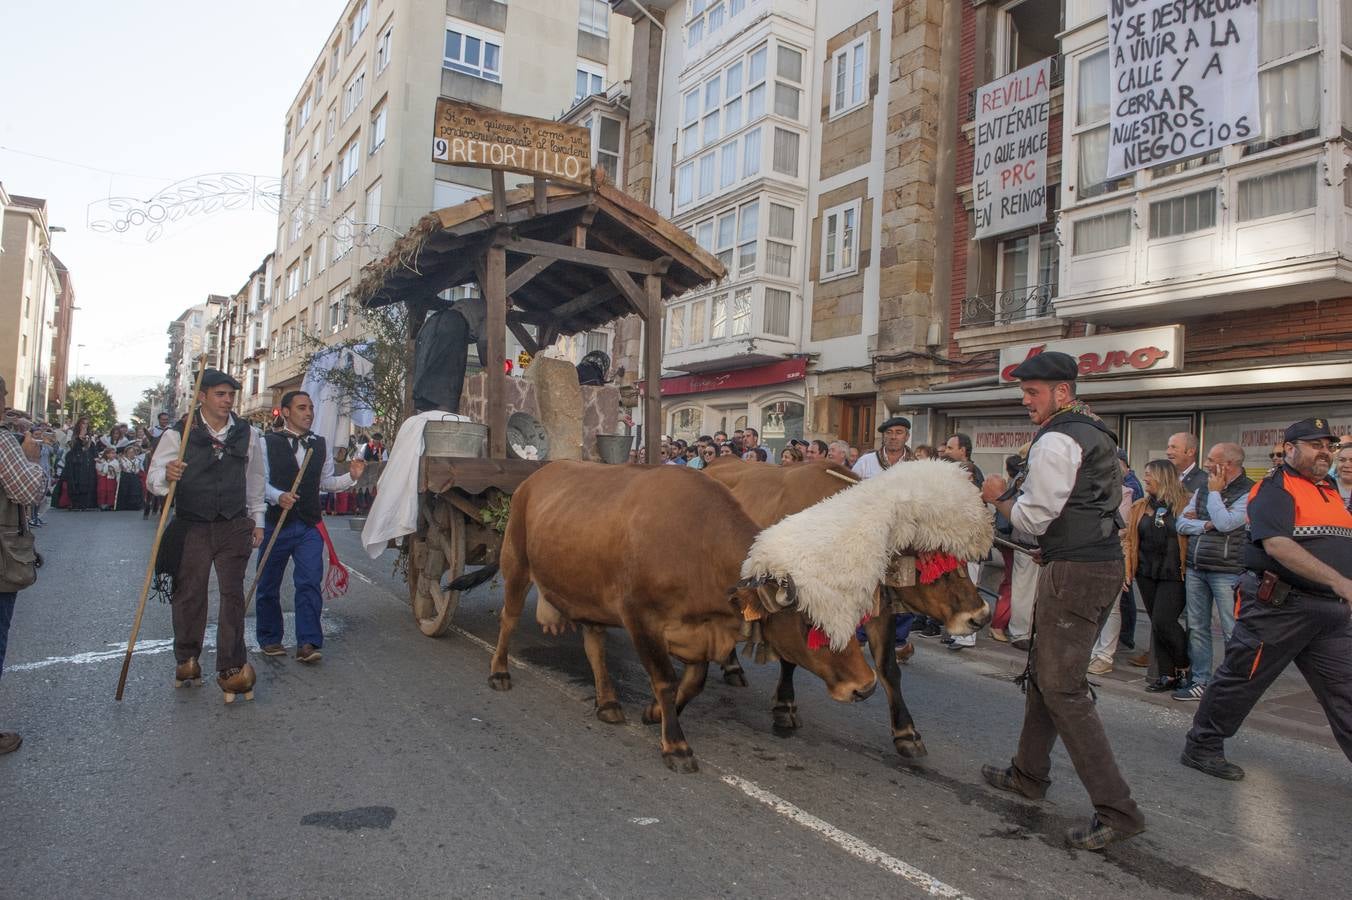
(788, 370)
(1119, 353)
(467, 135)
(1009, 168)
(1183, 76)
(1004, 440)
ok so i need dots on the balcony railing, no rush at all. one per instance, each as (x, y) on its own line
(1058, 78)
(1014, 305)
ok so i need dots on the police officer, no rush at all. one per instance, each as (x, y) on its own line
(220, 502)
(1069, 502)
(299, 539)
(1293, 601)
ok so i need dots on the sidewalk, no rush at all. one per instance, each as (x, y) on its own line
(1288, 709)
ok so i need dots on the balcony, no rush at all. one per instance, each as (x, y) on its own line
(991, 321)
(731, 328)
(1250, 236)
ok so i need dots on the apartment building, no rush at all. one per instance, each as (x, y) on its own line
(241, 329)
(800, 143)
(357, 157)
(63, 324)
(191, 337)
(1209, 294)
(29, 292)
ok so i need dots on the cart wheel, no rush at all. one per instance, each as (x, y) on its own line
(444, 561)
(417, 558)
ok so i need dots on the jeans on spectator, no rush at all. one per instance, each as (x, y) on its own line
(1204, 589)
(1105, 645)
(6, 615)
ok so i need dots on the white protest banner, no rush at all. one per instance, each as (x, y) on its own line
(1184, 79)
(1009, 168)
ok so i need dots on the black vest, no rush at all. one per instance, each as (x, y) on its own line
(1217, 551)
(282, 469)
(1086, 529)
(212, 487)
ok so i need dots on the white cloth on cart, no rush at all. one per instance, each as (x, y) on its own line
(394, 512)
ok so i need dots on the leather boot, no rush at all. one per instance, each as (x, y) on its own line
(187, 674)
(237, 683)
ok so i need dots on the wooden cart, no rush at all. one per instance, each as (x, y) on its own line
(561, 259)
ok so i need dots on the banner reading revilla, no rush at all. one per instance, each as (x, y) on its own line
(1184, 79)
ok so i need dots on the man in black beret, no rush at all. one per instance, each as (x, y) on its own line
(1293, 601)
(1069, 503)
(219, 507)
(895, 432)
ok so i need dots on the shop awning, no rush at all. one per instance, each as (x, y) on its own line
(786, 370)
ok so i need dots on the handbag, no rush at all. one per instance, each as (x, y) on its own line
(19, 557)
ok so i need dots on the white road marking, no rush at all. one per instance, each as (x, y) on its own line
(645, 820)
(332, 625)
(846, 841)
(360, 575)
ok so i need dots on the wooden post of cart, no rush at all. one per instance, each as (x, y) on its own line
(652, 359)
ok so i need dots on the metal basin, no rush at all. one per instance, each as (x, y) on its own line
(614, 448)
(455, 439)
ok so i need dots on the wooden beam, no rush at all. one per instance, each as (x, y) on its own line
(581, 257)
(599, 294)
(518, 328)
(541, 196)
(652, 341)
(524, 273)
(495, 292)
(499, 196)
(549, 333)
(631, 291)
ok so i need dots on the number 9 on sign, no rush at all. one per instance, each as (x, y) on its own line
(440, 148)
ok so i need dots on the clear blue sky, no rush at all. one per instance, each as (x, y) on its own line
(157, 92)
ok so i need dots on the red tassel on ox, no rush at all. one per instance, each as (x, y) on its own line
(335, 575)
(933, 566)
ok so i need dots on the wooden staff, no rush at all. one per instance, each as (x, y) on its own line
(1016, 547)
(267, 551)
(159, 532)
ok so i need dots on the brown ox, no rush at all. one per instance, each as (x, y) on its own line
(769, 494)
(609, 546)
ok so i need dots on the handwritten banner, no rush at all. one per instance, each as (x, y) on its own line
(1009, 168)
(1184, 79)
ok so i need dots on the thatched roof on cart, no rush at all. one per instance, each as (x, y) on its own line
(448, 247)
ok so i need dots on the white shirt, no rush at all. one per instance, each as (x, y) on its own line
(867, 465)
(327, 480)
(254, 477)
(1053, 463)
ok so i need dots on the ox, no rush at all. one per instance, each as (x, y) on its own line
(599, 544)
(769, 494)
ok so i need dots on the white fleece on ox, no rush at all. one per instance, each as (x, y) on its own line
(837, 551)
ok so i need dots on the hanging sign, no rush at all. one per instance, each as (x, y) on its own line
(464, 134)
(1183, 77)
(1009, 166)
(1115, 353)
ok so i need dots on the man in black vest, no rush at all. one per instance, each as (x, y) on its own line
(1069, 502)
(1216, 523)
(220, 503)
(299, 540)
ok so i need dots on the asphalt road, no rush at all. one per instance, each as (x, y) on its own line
(391, 769)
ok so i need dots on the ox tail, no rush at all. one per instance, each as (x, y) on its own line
(473, 579)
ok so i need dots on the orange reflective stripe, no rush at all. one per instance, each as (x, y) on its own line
(1236, 601)
(1256, 657)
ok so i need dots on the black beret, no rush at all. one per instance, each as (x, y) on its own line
(213, 377)
(1307, 430)
(895, 420)
(1050, 365)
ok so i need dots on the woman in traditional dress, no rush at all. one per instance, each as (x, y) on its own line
(79, 480)
(129, 478)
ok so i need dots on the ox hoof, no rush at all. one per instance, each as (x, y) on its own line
(500, 681)
(786, 720)
(611, 714)
(682, 761)
(734, 677)
(652, 714)
(911, 748)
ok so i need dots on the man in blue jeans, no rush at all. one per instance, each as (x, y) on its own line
(299, 539)
(22, 483)
(1215, 522)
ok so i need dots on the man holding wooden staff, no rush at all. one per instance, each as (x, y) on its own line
(298, 539)
(220, 501)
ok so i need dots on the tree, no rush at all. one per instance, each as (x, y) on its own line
(385, 342)
(154, 400)
(87, 397)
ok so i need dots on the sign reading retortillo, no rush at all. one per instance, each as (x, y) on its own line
(468, 135)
